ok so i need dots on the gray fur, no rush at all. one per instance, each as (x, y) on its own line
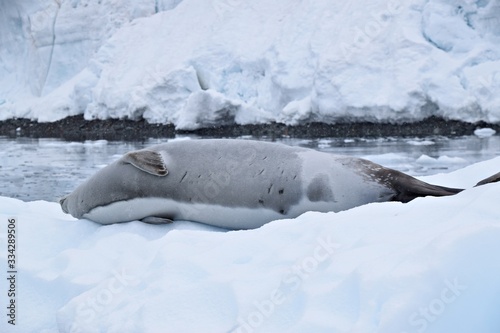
(268, 176)
(319, 189)
(264, 180)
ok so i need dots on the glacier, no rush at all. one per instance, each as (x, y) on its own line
(198, 63)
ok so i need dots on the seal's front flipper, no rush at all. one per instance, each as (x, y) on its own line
(156, 220)
(64, 204)
(148, 161)
(493, 179)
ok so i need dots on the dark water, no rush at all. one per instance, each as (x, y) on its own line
(46, 169)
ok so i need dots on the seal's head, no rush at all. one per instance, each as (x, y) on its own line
(115, 182)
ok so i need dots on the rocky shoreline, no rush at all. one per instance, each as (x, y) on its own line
(76, 128)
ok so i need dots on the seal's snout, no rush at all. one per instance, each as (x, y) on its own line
(64, 204)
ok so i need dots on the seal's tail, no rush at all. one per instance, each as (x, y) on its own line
(493, 179)
(409, 188)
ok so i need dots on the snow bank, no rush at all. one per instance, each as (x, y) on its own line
(429, 265)
(195, 62)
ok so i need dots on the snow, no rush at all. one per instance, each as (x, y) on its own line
(195, 63)
(428, 265)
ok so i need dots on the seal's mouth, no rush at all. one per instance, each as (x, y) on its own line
(64, 204)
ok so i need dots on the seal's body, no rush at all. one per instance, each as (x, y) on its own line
(235, 184)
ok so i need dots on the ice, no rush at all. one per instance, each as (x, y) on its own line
(387, 267)
(445, 160)
(196, 63)
(484, 132)
(421, 142)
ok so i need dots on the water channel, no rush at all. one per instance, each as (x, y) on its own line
(46, 169)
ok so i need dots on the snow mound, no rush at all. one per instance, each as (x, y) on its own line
(428, 265)
(195, 63)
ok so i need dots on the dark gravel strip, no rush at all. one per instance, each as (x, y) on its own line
(78, 129)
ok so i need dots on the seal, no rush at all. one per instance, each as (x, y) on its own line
(237, 184)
